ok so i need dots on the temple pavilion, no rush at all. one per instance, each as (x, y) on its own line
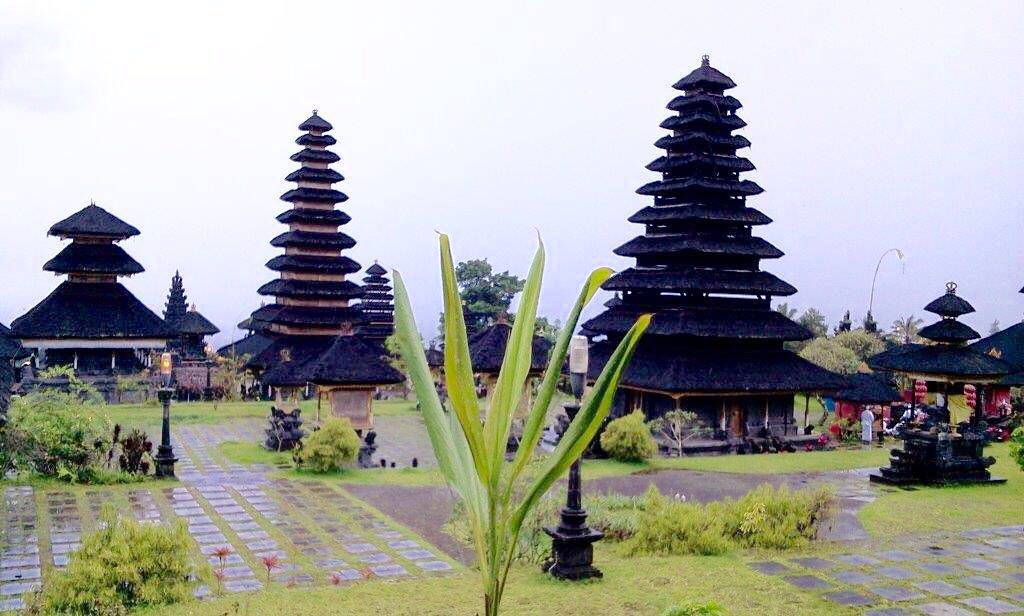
(1007, 345)
(91, 321)
(311, 321)
(715, 346)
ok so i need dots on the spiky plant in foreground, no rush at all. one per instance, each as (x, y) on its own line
(471, 453)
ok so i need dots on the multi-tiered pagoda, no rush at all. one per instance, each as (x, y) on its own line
(311, 313)
(90, 321)
(378, 306)
(715, 346)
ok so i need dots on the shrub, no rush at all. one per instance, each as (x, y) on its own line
(330, 448)
(628, 439)
(1017, 447)
(57, 435)
(766, 518)
(126, 565)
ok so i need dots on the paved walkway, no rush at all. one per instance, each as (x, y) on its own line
(319, 532)
(973, 572)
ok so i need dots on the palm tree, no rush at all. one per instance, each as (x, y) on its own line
(906, 328)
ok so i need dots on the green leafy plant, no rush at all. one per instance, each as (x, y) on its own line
(628, 438)
(471, 453)
(330, 448)
(1017, 447)
(707, 609)
(59, 435)
(81, 390)
(679, 426)
(124, 566)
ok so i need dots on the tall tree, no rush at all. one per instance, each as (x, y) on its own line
(828, 354)
(905, 328)
(815, 322)
(485, 294)
(785, 310)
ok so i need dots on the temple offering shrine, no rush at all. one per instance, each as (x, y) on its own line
(311, 325)
(935, 451)
(715, 346)
(91, 322)
(865, 391)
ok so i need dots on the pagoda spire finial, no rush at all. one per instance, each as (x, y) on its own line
(951, 287)
(705, 60)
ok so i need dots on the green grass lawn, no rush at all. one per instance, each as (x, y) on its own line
(631, 586)
(952, 508)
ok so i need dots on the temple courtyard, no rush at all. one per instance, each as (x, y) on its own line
(375, 540)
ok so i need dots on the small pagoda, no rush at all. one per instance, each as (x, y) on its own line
(191, 326)
(378, 306)
(311, 318)
(933, 450)
(91, 322)
(715, 346)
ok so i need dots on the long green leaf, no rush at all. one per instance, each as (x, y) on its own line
(515, 366)
(587, 422)
(458, 369)
(535, 422)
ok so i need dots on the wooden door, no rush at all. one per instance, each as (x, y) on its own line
(736, 419)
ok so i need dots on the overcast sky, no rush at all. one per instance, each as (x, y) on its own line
(874, 125)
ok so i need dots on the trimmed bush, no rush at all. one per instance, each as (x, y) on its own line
(766, 517)
(124, 566)
(1017, 447)
(628, 438)
(330, 448)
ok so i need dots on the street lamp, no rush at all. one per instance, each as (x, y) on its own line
(165, 453)
(572, 540)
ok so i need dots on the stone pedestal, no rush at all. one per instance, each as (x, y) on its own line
(939, 457)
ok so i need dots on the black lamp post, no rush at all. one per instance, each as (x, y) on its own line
(572, 540)
(165, 452)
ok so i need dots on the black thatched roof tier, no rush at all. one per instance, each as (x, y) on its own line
(289, 287)
(718, 102)
(705, 79)
(316, 124)
(93, 259)
(313, 174)
(313, 239)
(287, 359)
(376, 270)
(950, 305)
(698, 243)
(1014, 380)
(696, 119)
(941, 361)
(693, 279)
(196, 324)
(693, 140)
(668, 368)
(699, 161)
(93, 221)
(251, 345)
(310, 155)
(324, 316)
(10, 347)
(867, 389)
(487, 349)
(351, 361)
(948, 330)
(664, 214)
(314, 195)
(435, 357)
(310, 216)
(1008, 345)
(90, 310)
(313, 264)
(695, 187)
(316, 140)
(701, 323)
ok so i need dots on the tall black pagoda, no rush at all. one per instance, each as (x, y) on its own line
(377, 305)
(90, 321)
(311, 314)
(715, 346)
(191, 327)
